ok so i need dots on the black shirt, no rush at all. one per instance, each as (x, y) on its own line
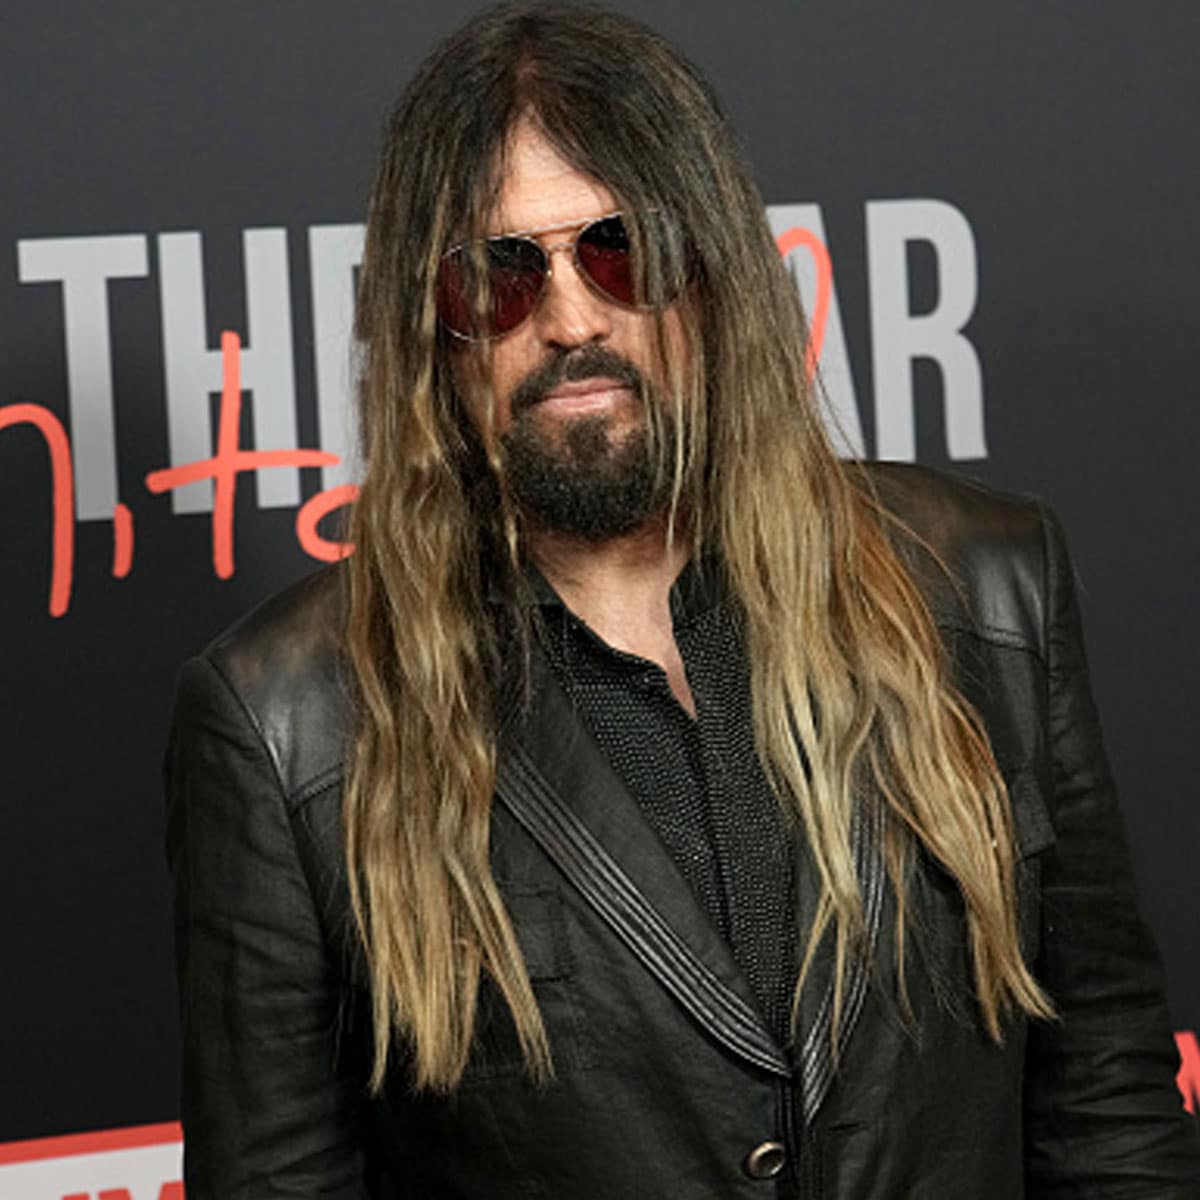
(699, 781)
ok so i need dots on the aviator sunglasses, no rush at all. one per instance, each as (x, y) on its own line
(487, 287)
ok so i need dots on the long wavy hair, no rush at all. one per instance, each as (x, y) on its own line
(850, 688)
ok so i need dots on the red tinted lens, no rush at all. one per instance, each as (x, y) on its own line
(602, 250)
(486, 289)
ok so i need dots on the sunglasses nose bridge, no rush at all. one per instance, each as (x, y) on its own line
(570, 310)
(555, 247)
(568, 247)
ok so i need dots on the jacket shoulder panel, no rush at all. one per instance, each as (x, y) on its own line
(285, 663)
(978, 555)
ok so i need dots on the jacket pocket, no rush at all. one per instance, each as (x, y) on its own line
(540, 925)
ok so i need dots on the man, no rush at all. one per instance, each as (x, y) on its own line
(652, 806)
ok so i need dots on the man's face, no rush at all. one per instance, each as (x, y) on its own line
(565, 386)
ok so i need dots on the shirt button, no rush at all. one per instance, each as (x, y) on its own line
(766, 1160)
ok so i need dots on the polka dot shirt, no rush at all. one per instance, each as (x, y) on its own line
(699, 782)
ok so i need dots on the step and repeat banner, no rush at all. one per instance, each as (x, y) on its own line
(991, 211)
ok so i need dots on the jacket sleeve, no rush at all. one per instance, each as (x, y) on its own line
(267, 1110)
(1104, 1117)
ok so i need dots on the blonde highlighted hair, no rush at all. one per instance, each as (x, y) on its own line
(849, 684)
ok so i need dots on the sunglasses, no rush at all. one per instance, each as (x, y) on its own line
(487, 287)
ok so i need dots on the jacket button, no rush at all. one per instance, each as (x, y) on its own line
(766, 1160)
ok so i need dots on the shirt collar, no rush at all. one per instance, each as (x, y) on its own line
(698, 589)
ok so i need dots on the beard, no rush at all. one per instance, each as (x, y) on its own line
(581, 477)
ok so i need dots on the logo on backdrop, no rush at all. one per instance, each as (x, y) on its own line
(144, 1162)
(205, 463)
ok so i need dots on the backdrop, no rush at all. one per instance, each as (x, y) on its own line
(1012, 215)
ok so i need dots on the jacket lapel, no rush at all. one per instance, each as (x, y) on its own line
(818, 1052)
(560, 786)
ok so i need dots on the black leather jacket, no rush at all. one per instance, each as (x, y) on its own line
(667, 1084)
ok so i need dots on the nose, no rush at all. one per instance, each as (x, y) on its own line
(571, 313)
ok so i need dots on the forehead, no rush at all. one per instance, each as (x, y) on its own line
(540, 189)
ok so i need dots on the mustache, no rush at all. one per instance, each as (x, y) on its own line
(589, 362)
